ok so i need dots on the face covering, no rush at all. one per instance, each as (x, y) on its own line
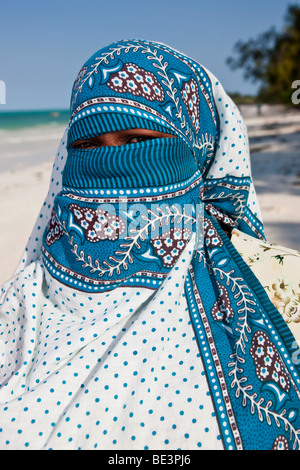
(139, 288)
(130, 86)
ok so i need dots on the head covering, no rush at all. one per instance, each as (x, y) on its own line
(132, 322)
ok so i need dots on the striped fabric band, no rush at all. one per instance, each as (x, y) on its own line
(99, 124)
(149, 163)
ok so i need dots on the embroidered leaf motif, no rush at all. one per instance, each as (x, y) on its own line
(124, 256)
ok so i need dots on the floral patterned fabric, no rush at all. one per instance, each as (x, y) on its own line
(278, 270)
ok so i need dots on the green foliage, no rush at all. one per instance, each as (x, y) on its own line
(272, 59)
(238, 98)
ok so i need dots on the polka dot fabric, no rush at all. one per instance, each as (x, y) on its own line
(232, 153)
(123, 370)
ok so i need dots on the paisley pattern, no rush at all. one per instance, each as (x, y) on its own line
(133, 317)
(267, 361)
(191, 100)
(97, 224)
(211, 235)
(222, 310)
(136, 81)
(170, 245)
(54, 230)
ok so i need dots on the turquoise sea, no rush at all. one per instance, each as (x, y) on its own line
(30, 137)
(13, 120)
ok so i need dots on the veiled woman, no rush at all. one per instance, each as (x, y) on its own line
(133, 321)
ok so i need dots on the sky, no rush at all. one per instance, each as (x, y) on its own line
(43, 44)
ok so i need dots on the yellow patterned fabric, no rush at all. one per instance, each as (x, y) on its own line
(278, 270)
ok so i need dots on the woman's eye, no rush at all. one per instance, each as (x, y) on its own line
(83, 145)
(137, 139)
(103, 141)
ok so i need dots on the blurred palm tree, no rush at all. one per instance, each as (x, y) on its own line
(272, 59)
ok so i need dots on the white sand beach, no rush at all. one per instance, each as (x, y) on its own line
(275, 158)
(26, 159)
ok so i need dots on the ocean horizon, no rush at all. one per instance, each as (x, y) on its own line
(30, 137)
(19, 119)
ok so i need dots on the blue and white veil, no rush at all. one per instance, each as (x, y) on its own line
(132, 322)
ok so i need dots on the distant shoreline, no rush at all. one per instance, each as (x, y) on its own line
(13, 120)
